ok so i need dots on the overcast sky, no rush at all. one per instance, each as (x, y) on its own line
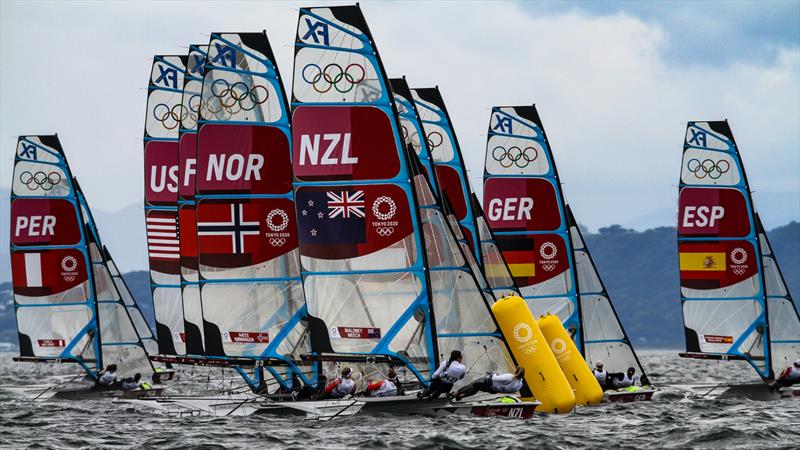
(615, 84)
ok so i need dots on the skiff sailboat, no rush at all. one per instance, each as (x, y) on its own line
(736, 305)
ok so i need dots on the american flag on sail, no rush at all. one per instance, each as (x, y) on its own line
(163, 241)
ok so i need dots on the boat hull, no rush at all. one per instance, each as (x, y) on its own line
(642, 395)
(751, 391)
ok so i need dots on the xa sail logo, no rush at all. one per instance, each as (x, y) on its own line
(317, 31)
(698, 137)
(502, 124)
(167, 76)
(225, 55)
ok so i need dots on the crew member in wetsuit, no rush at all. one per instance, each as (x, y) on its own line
(506, 383)
(627, 379)
(601, 374)
(448, 373)
(383, 388)
(789, 377)
(108, 378)
(131, 384)
(341, 386)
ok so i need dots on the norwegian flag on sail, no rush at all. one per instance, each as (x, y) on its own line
(240, 233)
(163, 241)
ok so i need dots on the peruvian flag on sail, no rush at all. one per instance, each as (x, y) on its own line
(47, 272)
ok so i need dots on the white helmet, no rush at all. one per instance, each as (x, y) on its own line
(797, 363)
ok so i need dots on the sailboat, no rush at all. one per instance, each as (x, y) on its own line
(736, 305)
(542, 244)
(72, 305)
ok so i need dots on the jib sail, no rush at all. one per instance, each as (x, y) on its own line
(187, 220)
(161, 156)
(362, 254)
(729, 276)
(604, 338)
(250, 286)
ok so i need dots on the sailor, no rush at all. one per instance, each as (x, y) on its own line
(395, 379)
(383, 388)
(789, 377)
(627, 379)
(506, 383)
(341, 386)
(108, 377)
(448, 373)
(600, 374)
(130, 384)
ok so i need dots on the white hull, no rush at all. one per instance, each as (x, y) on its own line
(752, 391)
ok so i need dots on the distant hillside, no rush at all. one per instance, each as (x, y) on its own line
(640, 270)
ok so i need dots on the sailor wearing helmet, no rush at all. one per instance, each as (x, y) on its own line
(789, 377)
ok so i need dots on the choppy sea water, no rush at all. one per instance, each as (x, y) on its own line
(669, 421)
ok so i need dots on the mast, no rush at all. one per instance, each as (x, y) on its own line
(724, 303)
(54, 298)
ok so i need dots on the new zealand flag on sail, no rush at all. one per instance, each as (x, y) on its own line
(339, 222)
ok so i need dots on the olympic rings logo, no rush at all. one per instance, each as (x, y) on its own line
(333, 77)
(169, 117)
(434, 139)
(384, 231)
(548, 250)
(277, 242)
(69, 263)
(38, 180)
(280, 226)
(708, 168)
(508, 157)
(739, 255)
(230, 96)
(384, 200)
(519, 336)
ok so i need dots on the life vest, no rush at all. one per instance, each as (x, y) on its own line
(107, 378)
(625, 381)
(450, 372)
(791, 374)
(600, 375)
(146, 386)
(340, 387)
(506, 383)
(382, 388)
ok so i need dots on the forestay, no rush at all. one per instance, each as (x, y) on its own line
(365, 281)
(250, 287)
(161, 156)
(725, 259)
(523, 204)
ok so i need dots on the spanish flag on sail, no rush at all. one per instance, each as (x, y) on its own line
(702, 261)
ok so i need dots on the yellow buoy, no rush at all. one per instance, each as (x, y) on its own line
(530, 349)
(578, 373)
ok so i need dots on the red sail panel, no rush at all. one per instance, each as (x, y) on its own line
(713, 212)
(521, 204)
(715, 265)
(246, 232)
(233, 158)
(36, 221)
(345, 222)
(450, 183)
(161, 173)
(343, 142)
(187, 165)
(47, 272)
